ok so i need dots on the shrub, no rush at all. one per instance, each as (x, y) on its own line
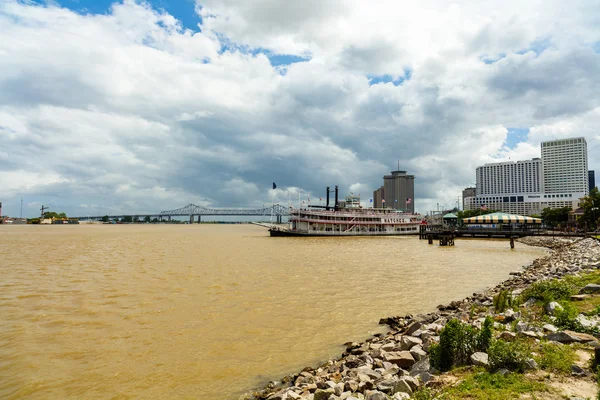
(551, 290)
(457, 342)
(485, 336)
(565, 318)
(503, 300)
(509, 355)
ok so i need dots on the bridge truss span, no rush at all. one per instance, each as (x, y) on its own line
(193, 209)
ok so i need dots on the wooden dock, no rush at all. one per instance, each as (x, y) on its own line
(439, 232)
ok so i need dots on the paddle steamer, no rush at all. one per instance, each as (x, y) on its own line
(348, 218)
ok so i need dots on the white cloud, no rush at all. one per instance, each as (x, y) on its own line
(132, 111)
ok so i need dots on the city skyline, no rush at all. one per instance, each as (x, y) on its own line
(559, 178)
(130, 107)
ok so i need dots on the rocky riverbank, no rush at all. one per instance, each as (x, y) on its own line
(396, 364)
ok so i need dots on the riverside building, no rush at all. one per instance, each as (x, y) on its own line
(557, 179)
(397, 192)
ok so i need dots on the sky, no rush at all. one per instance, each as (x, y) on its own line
(138, 107)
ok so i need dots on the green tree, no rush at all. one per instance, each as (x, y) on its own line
(136, 219)
(591, 210)
(62, 215)
(147, 218)
(155, 220)
(105, 218)
(556, 216)
(128, 219)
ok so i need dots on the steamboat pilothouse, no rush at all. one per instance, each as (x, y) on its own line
(348, 218)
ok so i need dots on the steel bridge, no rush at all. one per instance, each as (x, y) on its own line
(192, 210)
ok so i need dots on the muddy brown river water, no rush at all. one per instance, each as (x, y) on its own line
(208, 311)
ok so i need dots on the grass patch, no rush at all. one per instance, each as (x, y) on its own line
(589, 306)
(556, 358)
(485, 385)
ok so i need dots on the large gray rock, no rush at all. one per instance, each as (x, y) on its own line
(375, 395)
(480, 359)
(586, 322)
(411, 382)
(415, 326)
(550, 328)
(420, 366)
(590, 288)
(570, 337)
(407, 342)
(530, 364)
(321, 394)
(403, 359)
(277, 396)
(387, 385)
(418, 353)
(369, 372)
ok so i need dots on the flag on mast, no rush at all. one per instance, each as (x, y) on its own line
(274, 185)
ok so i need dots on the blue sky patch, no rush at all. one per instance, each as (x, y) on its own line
(490, 60)
(396, 81)
(538, 46)
(183, 10)
(516, 136)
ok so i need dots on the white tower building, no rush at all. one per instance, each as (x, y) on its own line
(565, 168)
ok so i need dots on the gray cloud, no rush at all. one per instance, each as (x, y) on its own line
(122, 112)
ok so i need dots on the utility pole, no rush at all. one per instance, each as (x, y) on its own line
(21, 216)
(44, 208)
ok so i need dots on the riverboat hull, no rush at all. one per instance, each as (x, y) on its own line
(277, 232)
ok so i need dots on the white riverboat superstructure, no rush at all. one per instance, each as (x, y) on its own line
(349, 219)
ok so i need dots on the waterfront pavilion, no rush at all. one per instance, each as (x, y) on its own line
(502, 218)
(450, 219)
(503, 221)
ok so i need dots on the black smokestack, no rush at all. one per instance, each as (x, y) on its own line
(327, 201)
(336, 197)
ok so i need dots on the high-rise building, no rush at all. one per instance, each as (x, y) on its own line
(591, 179)
(468, 195)
(377, 197)
(565, 167)
(513, 187)
(556, 180)
(399, 191)
(509, 177)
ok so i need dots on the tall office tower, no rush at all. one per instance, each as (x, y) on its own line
(512, 187)
(591, 179)
(377, 197)
(565, 168)
(468, 195)
(399, 191)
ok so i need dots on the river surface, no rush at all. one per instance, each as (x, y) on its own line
(208, 311)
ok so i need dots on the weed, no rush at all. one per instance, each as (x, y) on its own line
(509, 355)
(502, 301)
(423, 393)
(550, 290)
(567, 319)
(490, 386)
(556, 358)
